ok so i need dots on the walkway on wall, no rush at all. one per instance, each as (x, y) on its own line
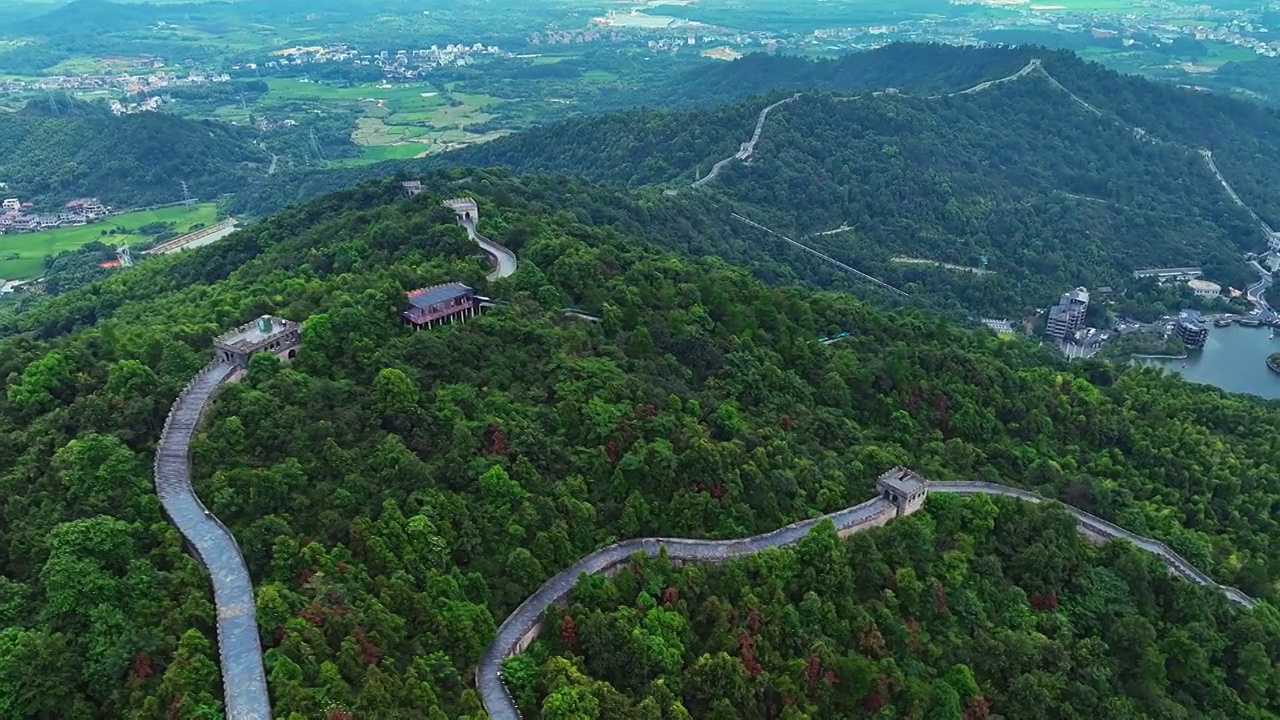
(523, 625)
(1029, 67)
(748, 148)
(244, 681)
(503, 259)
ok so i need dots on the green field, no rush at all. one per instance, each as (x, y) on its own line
(32, 248)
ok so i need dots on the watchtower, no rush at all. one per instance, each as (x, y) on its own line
(466, 208)
(904, 488)
(266, 334)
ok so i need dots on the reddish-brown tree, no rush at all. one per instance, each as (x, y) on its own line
(569, 632)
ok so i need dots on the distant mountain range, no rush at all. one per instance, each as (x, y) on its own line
(1062, 173)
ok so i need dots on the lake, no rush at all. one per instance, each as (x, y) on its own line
(1234, 358)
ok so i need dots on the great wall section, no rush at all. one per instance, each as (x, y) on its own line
(523, 625)
(239, 645)
(244, 681)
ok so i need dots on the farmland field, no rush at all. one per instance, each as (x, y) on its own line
(22, 255)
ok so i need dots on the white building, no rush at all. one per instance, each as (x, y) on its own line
(12, 205)
(1204, 288)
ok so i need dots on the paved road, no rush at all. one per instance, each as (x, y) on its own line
(528, 616)
(1256, 293)
(748, 148)
(244, 681)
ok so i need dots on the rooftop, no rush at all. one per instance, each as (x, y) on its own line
(903, 480)
(258, 332)
(428, 296)
(1189, 317)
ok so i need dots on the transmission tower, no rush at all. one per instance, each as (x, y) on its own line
(186, 194)
(124, 256)
(315, 145)
(982, 262)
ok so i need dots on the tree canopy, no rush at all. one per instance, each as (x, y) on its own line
(397, 493)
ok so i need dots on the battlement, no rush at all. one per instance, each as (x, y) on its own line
(904, 488)
(266, 334)
(466, 208)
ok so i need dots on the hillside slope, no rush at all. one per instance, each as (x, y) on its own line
(133, 160)
(1051, 193)
(397, 493)
(1060, 174)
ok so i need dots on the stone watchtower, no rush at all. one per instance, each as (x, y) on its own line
(904, 488)
(266, 334)
(466, 208)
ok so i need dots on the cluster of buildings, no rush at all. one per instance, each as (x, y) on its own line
(151, 104)
(124, 82)
(17, 216)
(1066, 319)
(399, 63)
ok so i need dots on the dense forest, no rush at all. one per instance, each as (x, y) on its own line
(396, 494)
(59, 149)
(1051, 193)
(975, 609)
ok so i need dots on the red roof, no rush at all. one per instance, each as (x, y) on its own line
(111, 264)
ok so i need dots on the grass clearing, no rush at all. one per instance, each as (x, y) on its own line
(32, 248)
(551, 59)
(76, 66)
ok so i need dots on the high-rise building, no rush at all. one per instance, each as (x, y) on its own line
(1190, 329)
(1067, 316)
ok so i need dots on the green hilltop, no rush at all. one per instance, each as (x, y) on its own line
(396, 493)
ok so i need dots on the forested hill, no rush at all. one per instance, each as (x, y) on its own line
(55, 151)
(397, 493)
(1066, 174)
(1053, 193)
(924, 69)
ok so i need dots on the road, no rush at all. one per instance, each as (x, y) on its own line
(244, 680)
(748, 148)
(1256, 293)
(519, 627)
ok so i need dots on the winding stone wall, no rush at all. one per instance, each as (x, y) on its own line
(244, 680)
(522, 626)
